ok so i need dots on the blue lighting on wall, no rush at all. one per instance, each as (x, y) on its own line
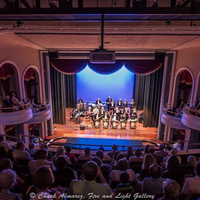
(92, 85)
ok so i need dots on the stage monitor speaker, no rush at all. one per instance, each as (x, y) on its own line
(82, 127)
(53, 54)
(160, 55)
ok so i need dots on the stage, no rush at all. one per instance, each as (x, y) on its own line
(72, 130)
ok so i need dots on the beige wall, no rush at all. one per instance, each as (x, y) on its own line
(190, 58)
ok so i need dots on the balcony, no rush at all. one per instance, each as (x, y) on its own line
(191, 118)
(40, 114)
(16, 115)
(172, 119)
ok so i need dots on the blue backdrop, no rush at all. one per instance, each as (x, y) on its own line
(92, 85)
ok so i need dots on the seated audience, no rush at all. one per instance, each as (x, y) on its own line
(192, 184)
(129, 152)
(189, 168)
(7, 102)
(122, 165)
(31, 149)
(173, 152)
(15, 101)
(60, 152)
(106, 169)
(146, 149)
(41, 160)
(124, 186)
(105, 158)
(147, 162)
(7, 180)
(97, 160)
(114, 150)
(63, 174)
(43, 180)
(87, 156)
(174, 171)
(153, 185)
(71, 156)
(152, 152)
(138, 156)
(177, 145)
(4, 144)
(91, 171)
(20, 153)
(161, 153)
(171, 190)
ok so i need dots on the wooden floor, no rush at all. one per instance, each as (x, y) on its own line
(72, 129)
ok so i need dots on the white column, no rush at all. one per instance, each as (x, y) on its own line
(2, 130)
(187, 139)
(166, 132)
(26, 134)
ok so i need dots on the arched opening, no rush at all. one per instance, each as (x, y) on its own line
(9, 81)
(31, 85)
(183, 90)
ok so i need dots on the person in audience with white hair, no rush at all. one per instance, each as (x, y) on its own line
(174, 152)
(171, 190)
(192, 184)
(7, 180)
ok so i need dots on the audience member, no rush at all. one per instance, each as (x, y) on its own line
(122, 165)
(4, 144)
(20, 153)
(63, 174)
(114, 150)
(171, 190)
(60, 152)
(146, 149)
(147, 162)
(97, 160)
(129, 152)
(7, 102)
(41, 160)
(177, 145)
(87, 156)
(106, 169)
(15, 101)
(174, 152)
(153, 185)
(31, 149)
(152, 152)
(71, 156)
(7, 180)
(138, 156)
(161, 153)
(174, 171)
(124, 186)
(192, 184)
(91, 171)
(189, 168)
(43, 180)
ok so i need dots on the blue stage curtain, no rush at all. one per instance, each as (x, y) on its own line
(72, 66)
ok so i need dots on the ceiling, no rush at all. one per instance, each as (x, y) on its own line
(119, 36)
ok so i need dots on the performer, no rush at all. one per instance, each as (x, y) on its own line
(125, 103)
(98, 101)
(80, 100)
(96, 120)
(119, 103)
(132, 104)
(112, 105)
(117, 111)
(106, 120)
(102, 111)
(106, 116)
(115, 117)
(133, 115)
(108, 101)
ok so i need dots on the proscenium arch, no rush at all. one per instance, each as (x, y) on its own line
(39, 79)
(16, 70)
(177, 76)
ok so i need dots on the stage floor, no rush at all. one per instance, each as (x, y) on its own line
(72, 129)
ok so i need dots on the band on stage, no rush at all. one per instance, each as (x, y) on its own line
(109, 113)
